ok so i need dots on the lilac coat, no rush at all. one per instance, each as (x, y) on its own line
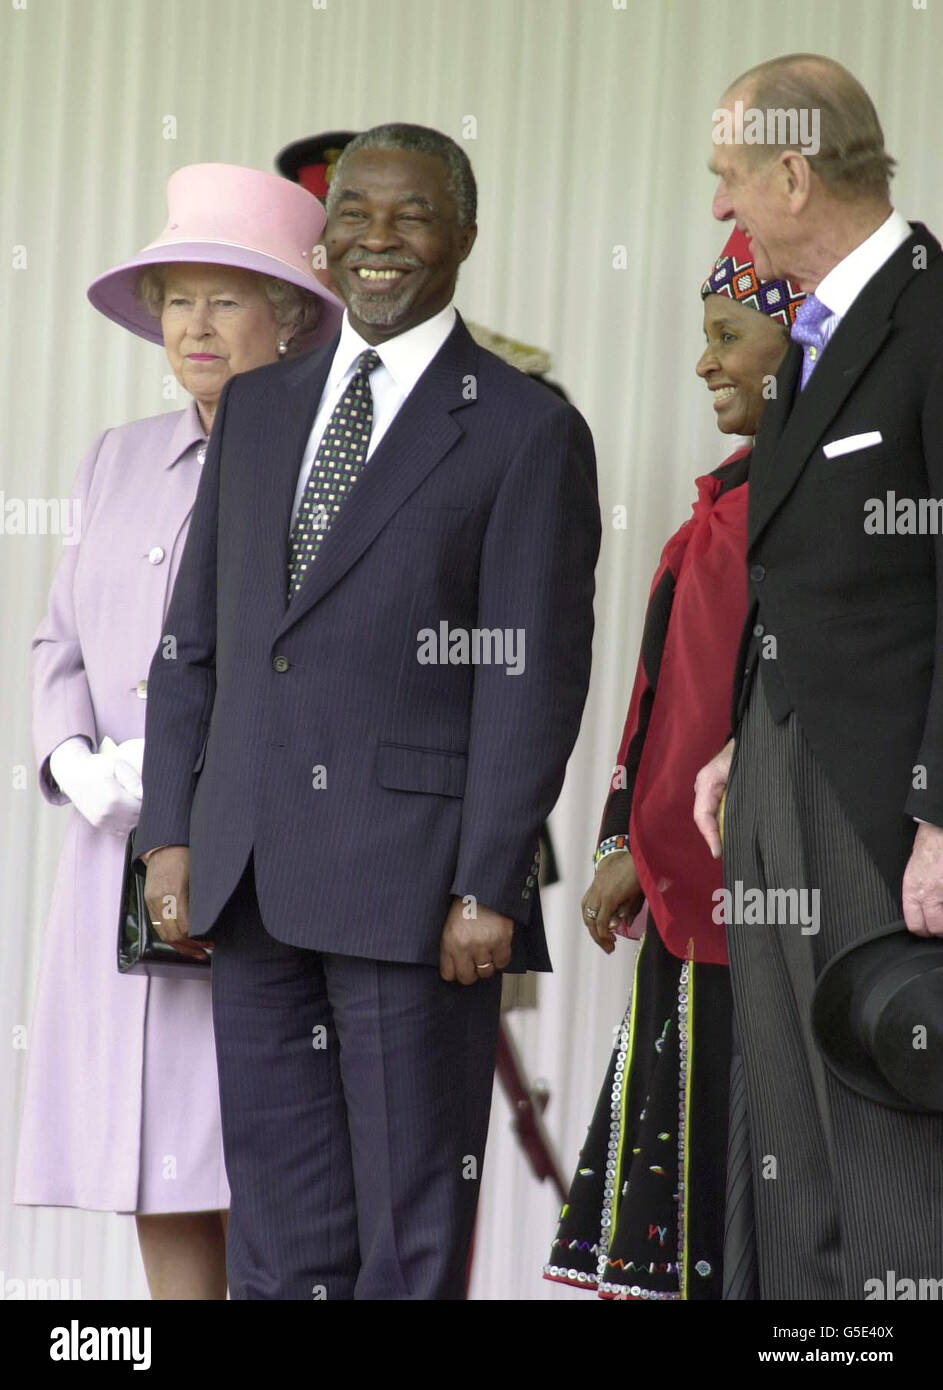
(122, 1107)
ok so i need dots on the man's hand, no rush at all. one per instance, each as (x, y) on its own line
(614, 895)
(473, 948)
(709, 786)
(167, 895)
(922, 891)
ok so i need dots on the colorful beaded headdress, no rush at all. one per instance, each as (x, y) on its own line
(734, 275)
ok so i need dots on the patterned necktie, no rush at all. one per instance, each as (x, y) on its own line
(338, 461)
(808, 331)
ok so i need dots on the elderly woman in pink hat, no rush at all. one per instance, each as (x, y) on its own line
(121, 1110)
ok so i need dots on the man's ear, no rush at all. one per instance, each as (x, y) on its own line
(467, 236)
(798, 178)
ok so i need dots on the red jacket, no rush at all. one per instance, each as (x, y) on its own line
(679, 713)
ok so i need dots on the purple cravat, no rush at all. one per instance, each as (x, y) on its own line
(807, 331)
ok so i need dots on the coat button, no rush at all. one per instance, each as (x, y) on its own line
(757, 573)
(525, 893)
(758, 630)
(281, 663)
(156, 554)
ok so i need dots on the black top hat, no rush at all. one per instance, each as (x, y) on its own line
(311, 161)
(877, 1016)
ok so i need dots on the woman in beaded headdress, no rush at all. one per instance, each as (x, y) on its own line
(645, 1213)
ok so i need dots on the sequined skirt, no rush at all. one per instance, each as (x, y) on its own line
(644, 1217)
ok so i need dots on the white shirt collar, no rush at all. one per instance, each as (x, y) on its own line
(845, 281)
(405, 357)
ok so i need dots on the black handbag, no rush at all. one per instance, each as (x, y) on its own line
(140, 949)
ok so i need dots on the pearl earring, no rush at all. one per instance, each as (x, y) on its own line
(282, 347)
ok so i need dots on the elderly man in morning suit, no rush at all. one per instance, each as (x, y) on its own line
(839, 696)
(358, 822)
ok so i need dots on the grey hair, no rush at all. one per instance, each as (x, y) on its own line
(417, 139)
(295, 311)
(851, 161)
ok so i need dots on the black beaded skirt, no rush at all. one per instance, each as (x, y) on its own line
(645, 1212)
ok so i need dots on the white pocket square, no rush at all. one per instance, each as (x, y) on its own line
(837, 447)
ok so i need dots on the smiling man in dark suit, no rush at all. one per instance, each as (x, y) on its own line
(354, 823)
(839, 698)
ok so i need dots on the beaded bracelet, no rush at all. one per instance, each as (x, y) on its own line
(615, 844)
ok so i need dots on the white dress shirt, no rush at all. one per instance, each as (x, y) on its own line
(403, 360)
(845, 281)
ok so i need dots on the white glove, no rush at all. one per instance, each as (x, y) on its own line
(88, 780)
(129, 759)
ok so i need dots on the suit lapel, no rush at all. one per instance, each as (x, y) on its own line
(798, 419)
(812, 411)
(422, 432)
(776, 414)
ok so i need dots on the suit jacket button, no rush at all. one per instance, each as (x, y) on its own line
(530, 880)
(758, 630)
(281, 663)
(757, 573)
(525, 893)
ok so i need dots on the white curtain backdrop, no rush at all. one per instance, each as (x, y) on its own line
(588, 124)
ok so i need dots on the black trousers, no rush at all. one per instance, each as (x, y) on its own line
(844, 1189)
(355, 1101)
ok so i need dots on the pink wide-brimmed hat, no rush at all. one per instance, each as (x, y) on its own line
(224, 214)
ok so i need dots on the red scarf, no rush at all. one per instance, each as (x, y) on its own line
(690, 719)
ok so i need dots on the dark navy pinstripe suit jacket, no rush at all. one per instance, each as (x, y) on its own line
(373, 787)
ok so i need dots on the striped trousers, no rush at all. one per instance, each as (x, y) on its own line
(844, 1190)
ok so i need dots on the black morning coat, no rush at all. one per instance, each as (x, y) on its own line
(856, 615)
